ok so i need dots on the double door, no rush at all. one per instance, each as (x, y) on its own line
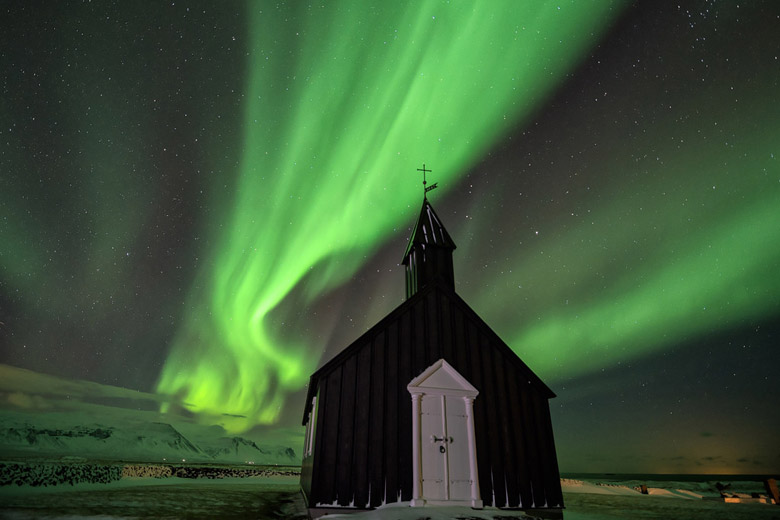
(446, 471)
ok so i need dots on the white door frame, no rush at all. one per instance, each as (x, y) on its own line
(441, 379)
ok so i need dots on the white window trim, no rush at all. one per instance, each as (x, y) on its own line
(311, 426)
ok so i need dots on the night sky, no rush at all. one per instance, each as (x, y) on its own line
(208, 200)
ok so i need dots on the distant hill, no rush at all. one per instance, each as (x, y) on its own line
(238, 449)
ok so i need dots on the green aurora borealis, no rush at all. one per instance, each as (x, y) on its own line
(211, 201)
(331, 118)
(686, 279)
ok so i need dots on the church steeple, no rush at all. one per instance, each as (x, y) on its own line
(428, 256)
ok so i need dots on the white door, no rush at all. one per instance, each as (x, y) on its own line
(434, 459)
(446, 470)
(444, 455)
(459, 469)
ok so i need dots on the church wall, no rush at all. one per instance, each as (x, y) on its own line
(363, 446)
(516, 386)
(553, 476)
(409, 347)
(534, 462)
(508, 443)
(514, 457)
(326, 450)
(361, 436)
(392, 431)
(346, 431)
(377, 421)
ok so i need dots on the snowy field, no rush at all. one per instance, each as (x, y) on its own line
(591, 506)
(277, 497)
(668, 501)
(172, 498)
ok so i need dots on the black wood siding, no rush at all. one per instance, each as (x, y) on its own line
(362, 453)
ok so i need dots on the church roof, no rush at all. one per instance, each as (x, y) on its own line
(428, 231)
(420, 331)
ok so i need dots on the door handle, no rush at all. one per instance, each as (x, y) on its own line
(442, 439)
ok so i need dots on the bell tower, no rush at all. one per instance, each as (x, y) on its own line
(428, 256)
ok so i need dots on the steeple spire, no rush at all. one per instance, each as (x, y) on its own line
(428, 255)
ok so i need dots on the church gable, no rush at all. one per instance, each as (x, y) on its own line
(441, 378)
(434, 323)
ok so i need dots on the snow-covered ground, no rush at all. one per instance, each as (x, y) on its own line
(695, 490)
(589, 501)
(277, 497)
(232, 498)
(599, 506)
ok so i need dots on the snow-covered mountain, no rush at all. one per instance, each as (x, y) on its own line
(48, 417)
(238, 449)
(139, 442)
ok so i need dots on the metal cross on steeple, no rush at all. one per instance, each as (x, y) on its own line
(426, 189)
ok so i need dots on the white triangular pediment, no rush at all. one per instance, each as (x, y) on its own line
(441, 378)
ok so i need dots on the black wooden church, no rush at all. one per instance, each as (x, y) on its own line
(429, 406)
